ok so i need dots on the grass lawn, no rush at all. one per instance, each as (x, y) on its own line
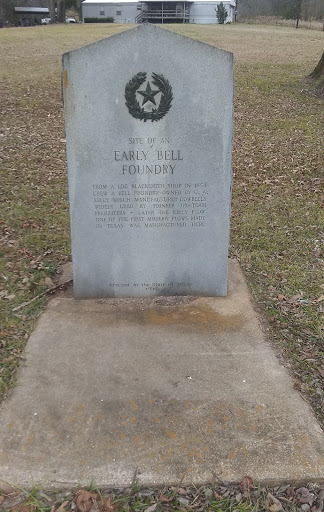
(277, 207)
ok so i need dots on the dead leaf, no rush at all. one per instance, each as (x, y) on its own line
(246, 484)
(7, 360)
(320, 502)
(61, 507)
(184, 502)
(275, 507)
(49, 282)
(182, 491)
(321, 372)
(273, 503)
(23, 508)
(105, 505)
(284, 500)
(281, 297)
(164, 499)
(4, 295)
(1, 499)
(151, 508)
(84, 500)
(95, 507)
(320, 298)
(11, 503)
(304, 496)
(295, 297)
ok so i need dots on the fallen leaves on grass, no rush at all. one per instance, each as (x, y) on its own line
(248, 496)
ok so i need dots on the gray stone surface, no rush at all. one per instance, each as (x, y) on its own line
(170, 385)
(149, 200)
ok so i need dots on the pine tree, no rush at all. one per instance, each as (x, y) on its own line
(221, 13)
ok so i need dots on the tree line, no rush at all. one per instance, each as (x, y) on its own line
(287, 9)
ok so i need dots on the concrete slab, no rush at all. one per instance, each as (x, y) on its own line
(172, 385)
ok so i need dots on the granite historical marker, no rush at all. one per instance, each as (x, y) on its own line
(148, 116)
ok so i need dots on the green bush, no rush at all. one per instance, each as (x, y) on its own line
(110, 19)
(221, 13)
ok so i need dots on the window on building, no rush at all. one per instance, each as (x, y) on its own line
(118, 13)
(102, 13)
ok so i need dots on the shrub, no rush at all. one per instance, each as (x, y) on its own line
(110, 19)
(221, 13)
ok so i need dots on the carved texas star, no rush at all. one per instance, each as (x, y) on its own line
(148, 94)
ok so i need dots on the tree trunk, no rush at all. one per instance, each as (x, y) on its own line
(7, 13)
(79, 8)
(320, 87)
(318, 72)
(61, 11)
(51, 9)
(318, 75)
(298, 13)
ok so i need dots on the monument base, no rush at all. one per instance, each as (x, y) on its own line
(174, 386)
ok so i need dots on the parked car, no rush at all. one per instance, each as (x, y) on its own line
(46, 21)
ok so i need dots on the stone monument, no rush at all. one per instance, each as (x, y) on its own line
(148, 117)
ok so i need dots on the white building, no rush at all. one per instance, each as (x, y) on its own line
(157, 11)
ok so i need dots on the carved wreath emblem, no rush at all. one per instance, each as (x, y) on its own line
(132, 91)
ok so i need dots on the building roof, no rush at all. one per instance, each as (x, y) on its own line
(118, 2)
(102, 2)
(37, 10)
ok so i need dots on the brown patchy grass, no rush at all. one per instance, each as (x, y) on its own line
(248, 496)
(278, 168)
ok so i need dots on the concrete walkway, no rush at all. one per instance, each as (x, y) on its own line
(172, 386)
